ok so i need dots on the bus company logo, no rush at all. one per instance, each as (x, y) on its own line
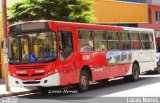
(13, 99)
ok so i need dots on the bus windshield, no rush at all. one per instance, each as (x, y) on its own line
(32, 47)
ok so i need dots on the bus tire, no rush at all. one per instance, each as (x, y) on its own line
(135, 72)
(83, 81)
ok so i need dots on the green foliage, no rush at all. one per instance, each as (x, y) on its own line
(62, 10)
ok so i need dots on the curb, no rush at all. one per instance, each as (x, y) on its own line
(17, 93)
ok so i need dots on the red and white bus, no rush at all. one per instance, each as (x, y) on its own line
(56, 53)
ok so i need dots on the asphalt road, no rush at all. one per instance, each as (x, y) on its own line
(147, 86)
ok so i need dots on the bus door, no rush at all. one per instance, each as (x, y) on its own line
(146, 53)
(65, 36)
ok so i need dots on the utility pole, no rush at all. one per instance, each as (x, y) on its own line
(5, 44)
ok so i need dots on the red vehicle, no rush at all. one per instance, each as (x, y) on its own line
(55, 53)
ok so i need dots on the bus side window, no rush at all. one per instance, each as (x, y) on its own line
(85, 40)
(135, 40)
(125, 41)
(100, 40)
(66, 44)
(145, 42)
(113, 40)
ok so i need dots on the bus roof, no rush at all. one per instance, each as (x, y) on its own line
(85, 25)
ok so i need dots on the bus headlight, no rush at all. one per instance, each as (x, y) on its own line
(39, 71)
(49, 73)
(14, 75)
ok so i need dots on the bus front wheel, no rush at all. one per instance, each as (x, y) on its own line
(84, 81)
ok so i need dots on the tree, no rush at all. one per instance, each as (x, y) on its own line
(62, 10)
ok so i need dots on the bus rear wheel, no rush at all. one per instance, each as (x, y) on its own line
(135, 74)
(84, 81)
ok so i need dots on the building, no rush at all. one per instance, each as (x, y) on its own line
(143, 1)
(156, 2)
(116, 12)
(153, 19)
(132, 13)
(153, 15)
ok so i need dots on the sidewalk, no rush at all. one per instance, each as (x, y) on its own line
(14, 90)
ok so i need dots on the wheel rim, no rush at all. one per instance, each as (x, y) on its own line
(84, 81)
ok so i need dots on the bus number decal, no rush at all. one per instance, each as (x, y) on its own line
(86, 57)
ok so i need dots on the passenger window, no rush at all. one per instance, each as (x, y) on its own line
(85, 40)
(66, 44)
(145, 40)
(125, 41)
(135, 41)
(100, 40)
(113, 40)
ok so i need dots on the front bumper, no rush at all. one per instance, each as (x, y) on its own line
(53, 80)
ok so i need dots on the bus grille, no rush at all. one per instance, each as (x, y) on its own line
(36, 82)
(30, 67)
(26, 75)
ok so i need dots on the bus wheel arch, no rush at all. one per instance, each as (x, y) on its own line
(88, 70)
(135, 72)
(84, 78)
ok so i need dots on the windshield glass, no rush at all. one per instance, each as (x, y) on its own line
(32, 47)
